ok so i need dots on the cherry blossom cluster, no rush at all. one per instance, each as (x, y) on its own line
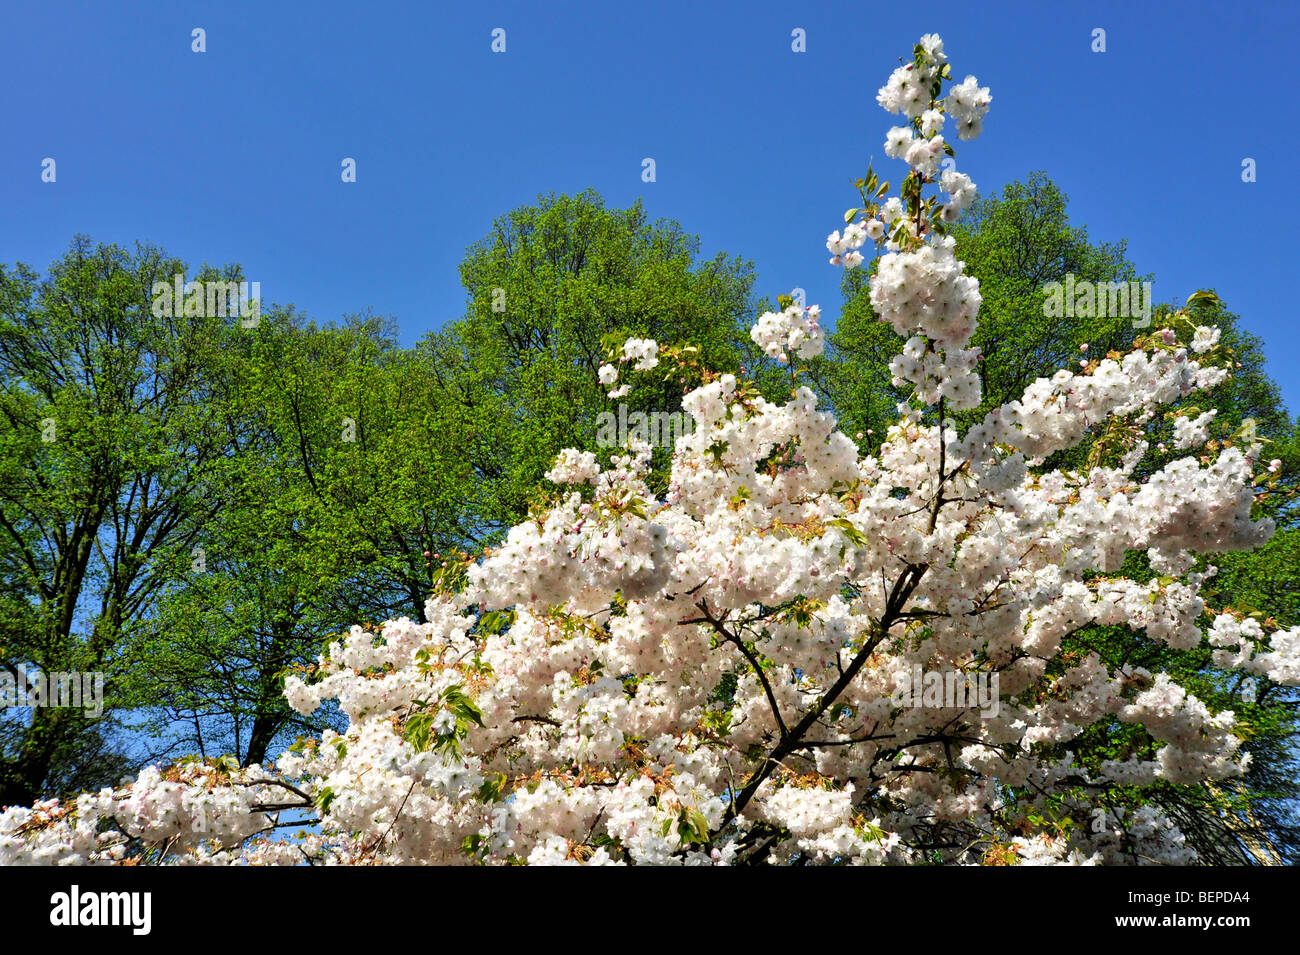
(710, 676)
(908, 90)
(202, 812)
(1239, 641)
(920, 288)
(968, 103)
(643, 352)
(794, 329)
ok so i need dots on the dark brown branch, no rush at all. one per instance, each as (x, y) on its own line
(753, 662)
(536, 719)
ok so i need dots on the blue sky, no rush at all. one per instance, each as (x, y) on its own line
(234, 154)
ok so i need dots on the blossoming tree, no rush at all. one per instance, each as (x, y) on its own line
(714, 677)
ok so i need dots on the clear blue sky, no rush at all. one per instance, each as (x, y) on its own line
(234, 154)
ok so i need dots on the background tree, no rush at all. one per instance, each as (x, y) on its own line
(548, 289)
(105, 439)
(271, 577)
(355, 466)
